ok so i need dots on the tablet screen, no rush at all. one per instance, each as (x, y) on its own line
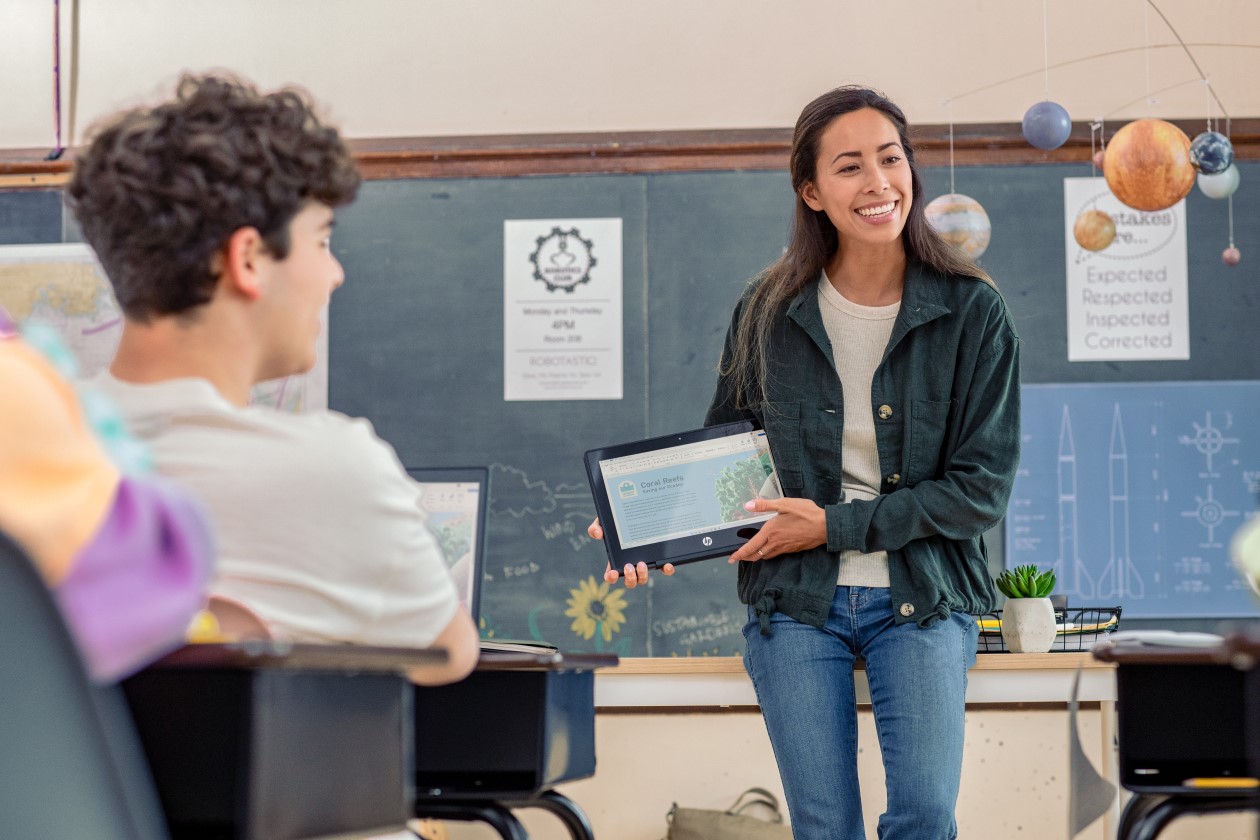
(690, 489)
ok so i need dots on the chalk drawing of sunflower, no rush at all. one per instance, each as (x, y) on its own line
(596, 608)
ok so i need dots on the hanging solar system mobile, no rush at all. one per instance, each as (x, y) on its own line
(1149, 164)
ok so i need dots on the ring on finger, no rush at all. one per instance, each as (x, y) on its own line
(761, 552)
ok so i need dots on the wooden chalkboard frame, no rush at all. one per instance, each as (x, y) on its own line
(509, 155)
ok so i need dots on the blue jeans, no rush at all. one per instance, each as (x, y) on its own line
(918, 679)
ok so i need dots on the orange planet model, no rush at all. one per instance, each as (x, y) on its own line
(1147, 165)
(1094, 230)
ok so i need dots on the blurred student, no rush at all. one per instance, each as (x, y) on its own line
(128, 557)
(212, 214)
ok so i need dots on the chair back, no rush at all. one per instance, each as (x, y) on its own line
(70, 761)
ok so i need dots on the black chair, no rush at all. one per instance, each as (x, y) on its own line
(70, 762)
(1181, 716)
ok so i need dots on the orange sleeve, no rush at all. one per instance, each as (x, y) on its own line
(56, 483)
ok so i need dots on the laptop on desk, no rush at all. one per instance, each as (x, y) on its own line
(456, 501)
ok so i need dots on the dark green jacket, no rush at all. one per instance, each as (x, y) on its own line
(946, 403)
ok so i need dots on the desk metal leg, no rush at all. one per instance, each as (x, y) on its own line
(1134, 812)
(493, 814)
(1147, 816)
(565, 809)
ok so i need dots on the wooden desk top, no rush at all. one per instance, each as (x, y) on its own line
(735, 664)
(279, 655)
(545, 660)
(1241, 650)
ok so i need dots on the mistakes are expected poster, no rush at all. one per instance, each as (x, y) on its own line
(1129, 301)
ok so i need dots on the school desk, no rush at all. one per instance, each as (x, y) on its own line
(1189, 737)
(273, 741)
(500, 739)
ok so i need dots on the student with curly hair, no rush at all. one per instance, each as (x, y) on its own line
(212, 214)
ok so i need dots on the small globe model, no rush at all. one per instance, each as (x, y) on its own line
(1231, 256)
(961, 221)
(1147, 165)
(1094, 230)
(1211, 152)
(1221, 185)
(1047, 125)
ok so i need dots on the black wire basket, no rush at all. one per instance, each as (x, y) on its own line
(1078, 629)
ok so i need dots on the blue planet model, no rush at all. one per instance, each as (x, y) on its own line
(1211, 152)
(1047, 125)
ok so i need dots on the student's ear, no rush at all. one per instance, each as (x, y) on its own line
(809, 194)
(238, 262)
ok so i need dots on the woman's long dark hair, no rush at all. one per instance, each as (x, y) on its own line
(814, 239)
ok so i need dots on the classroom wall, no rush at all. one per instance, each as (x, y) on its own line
(435, 67)
(1014, 782)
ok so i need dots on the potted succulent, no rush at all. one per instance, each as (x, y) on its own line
(1028, 617)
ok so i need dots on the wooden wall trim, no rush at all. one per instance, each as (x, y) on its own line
(496, 156)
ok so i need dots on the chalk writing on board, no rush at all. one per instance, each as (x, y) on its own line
(695, 632)
(515, 494)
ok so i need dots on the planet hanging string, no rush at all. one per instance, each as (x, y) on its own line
(1046, 124)
(1231, 255)
(1147, 49)
(1094, 229)
(959, 219)
(57, 147)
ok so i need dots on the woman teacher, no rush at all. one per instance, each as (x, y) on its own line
(884, 367)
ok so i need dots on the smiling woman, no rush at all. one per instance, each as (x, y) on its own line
(883, 363)
(865, 188)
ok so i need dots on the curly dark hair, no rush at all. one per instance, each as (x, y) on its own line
(159, 190)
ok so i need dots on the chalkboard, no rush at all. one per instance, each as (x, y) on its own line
(416, 346)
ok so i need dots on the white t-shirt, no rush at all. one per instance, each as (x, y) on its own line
(319, 527)
(858, 336)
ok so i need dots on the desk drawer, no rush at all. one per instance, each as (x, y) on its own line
(275, 755)
(1179, 722)
(505, 732)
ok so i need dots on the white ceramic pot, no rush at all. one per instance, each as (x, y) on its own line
(1028, 625)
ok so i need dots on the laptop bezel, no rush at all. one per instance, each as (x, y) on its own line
(465, 475)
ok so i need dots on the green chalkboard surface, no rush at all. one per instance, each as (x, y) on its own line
(416, 338)
(416, 346)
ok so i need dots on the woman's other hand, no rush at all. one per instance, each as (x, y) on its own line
(800, 525)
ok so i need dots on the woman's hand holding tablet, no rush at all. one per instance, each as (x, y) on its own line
(680, 498)
(801, 524)
(634, 576)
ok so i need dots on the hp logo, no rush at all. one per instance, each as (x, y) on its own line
(707, 540)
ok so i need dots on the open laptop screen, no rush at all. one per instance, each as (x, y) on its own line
(454, 500)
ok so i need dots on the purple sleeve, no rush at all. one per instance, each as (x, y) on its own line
(135, 587)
